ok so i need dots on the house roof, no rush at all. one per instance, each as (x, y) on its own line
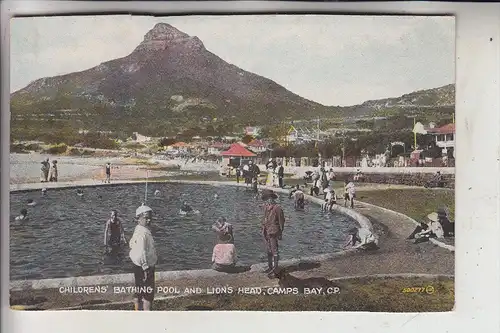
(256, 143)
(242, 144)
(446, 129)
(237, 150)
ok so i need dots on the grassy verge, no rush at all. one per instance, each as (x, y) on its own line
(416, 203)
(367, 294)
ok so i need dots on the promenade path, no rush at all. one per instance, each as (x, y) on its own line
(395, 256)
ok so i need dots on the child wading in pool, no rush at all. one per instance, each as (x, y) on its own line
(114, 235)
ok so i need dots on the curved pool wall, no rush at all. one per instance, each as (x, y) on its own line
(128, 278)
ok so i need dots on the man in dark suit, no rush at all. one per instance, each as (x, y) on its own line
(281, 174)
(272, 229)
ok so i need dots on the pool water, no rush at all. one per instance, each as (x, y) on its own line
(64, 235)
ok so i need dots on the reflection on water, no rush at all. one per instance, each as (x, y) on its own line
(64, 234)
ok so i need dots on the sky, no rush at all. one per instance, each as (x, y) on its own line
(333, 60)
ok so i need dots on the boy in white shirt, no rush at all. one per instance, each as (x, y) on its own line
(330, 200)
(143, 256)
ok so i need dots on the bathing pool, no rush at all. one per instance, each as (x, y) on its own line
(64, 234)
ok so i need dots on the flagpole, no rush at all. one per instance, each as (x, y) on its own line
(414, 133)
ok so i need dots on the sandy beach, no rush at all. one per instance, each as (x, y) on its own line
(25, 168)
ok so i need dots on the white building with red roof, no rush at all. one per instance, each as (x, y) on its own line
(216, 148)
(444, 136)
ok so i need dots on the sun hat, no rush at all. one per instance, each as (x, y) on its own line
(433, 217)
(142, 209)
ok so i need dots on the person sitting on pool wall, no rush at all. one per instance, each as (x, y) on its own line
(273, 224)
(330, 200)
(367, 240)
(143, 256)
(224, 254)
(114, 235)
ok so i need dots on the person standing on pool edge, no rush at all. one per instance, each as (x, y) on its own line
(108, 173)
(272, 229)
(143, 256)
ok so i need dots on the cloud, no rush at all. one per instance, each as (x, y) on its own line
(335, 60)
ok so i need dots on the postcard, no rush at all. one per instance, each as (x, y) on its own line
(252, 162)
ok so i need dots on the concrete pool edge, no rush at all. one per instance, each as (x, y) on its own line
(96, 280)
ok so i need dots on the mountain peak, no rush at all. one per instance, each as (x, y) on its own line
(164, 31)
(164, 35)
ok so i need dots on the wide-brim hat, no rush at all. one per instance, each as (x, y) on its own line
(268, 194)
(142, 209)
(433, 217)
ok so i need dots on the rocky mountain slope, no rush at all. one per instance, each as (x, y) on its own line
(437, 97)
(171, 82)
(432, 102)
(170, 75)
